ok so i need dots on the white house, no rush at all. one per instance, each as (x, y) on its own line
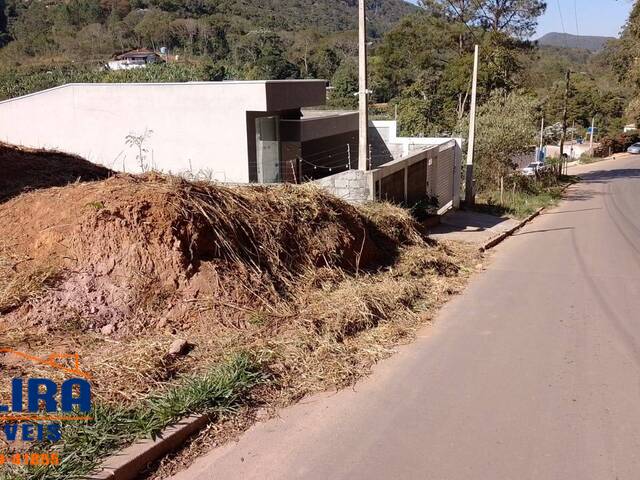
(238, 131)
(134, 59)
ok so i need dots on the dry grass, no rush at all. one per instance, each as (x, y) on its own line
(316, 290)
(19, 284)
(333, 334)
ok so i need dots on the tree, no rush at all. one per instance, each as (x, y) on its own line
(261, 55)
(3, 17)
(517, 18)
(506, 126)
(419, 115)
(4, 37)
(154, 30)
(32, 30)
(345, 86)
(418, 48)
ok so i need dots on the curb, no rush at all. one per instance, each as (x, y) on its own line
(500, 238)
(128, 463)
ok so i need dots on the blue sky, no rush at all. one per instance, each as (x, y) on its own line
(595, 17)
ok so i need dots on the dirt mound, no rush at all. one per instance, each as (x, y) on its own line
(25, 169)
(130, 253)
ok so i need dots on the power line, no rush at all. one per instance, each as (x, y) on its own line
(564, 30)
(575, 12)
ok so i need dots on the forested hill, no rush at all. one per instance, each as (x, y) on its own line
(554, 39)
(328, 15)
(44, 43)
(89, 31)
(281, 15)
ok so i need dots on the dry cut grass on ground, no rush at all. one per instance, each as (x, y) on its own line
(306, 290)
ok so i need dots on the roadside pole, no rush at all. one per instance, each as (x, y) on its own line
(469, 196)
(541, 139)
(564, 120)
(363, 138)
(593, 126)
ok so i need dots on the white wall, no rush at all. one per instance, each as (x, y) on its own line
(197, 126)
(388, 131)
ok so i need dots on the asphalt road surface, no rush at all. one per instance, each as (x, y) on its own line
(532, 373)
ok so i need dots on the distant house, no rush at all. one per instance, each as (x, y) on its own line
(139, 58)
(630, 128)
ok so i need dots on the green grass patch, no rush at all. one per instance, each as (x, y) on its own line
(84, 445)
(528, 196)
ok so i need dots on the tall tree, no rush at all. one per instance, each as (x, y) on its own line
(516, 18)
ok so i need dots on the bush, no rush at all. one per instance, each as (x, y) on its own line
(506, 127)
(616, 144)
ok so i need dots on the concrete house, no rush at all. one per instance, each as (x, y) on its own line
(237, 131)
(134, 59)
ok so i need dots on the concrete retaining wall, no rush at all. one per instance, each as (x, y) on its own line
(433, 171)
(352, 186)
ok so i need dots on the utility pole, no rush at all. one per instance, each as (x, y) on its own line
(541, 139)
(469, 194)
(593, 126)
(363, 138)
(564, 119)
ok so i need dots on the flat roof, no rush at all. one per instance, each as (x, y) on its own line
(280, 94)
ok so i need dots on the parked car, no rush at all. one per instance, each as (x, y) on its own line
(635, 148)
(533, 168)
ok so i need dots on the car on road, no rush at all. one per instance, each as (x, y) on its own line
(531, 169)
(635, 148)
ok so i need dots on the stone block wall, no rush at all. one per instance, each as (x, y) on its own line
(351, 186)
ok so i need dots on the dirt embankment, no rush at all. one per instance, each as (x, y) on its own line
(131, 253)
(25, 169)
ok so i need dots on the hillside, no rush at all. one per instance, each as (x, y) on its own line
(327, 15)
(278, 15)
(231, 39)
(565, 40)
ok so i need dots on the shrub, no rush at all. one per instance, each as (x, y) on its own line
(616, 143)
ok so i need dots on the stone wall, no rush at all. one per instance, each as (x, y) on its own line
(352, 186)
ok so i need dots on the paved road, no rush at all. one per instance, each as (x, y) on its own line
(506, 386)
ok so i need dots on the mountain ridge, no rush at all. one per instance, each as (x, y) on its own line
(592, 43)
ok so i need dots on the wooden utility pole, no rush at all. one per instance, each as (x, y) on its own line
(363, 138)
(564, 119)
(469, 194)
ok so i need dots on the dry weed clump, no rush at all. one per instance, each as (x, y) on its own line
(342, 329)
(17, 285)
(288, 271)
(331, 335)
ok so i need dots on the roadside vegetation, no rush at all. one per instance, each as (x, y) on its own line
(215, 392)
(523, 196)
